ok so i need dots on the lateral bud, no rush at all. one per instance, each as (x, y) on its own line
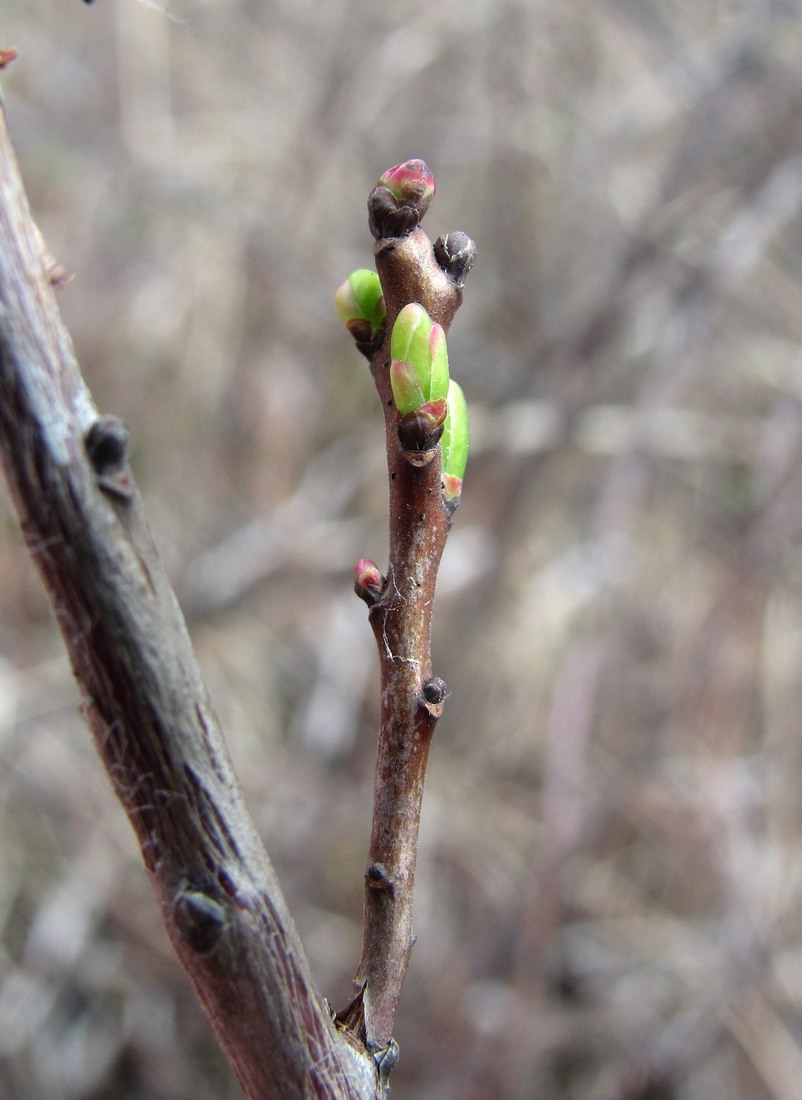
(106, 445)
(359, 302)
(200, 920)
(456, 254)
(368, 581)
(456, 440)
(377, 877)
(434, 690)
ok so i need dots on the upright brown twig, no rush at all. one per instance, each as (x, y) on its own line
(411, 270)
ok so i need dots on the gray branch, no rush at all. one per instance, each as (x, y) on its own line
(145, 699)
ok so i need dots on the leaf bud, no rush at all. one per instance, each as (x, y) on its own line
(456, 438)
(419, 368)
(359, 301)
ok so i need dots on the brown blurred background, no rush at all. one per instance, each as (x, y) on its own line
(610, 869)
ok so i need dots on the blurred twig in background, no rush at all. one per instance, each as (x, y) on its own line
(620, 625)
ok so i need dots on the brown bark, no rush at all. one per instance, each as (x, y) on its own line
(145, 699)
(411, 701)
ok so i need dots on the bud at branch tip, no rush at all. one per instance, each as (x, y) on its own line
(400, 198)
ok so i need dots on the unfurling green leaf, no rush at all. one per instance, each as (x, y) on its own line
(455, 443)
(410, 336)
(419, 368)
(438, 368)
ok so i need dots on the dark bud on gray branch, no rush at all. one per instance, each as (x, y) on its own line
(399, 200)
(107, 446)
(456, 254)
(386, 1060)
(200, 921)
(377, 877)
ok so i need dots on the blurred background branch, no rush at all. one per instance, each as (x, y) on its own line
(619, 621)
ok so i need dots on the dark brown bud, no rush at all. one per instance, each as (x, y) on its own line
(434, 690)
(456, 254)
(107, 446)
(420, 431)
(200, 920)
(377, 877)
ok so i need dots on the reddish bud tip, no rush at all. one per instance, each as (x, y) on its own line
(435, 411)
(368, 581)
(452, 491)
(400, 199)
(452, 487)
(410, 182)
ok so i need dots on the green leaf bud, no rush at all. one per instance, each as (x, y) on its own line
(438, 370)
(410, 337)
(418, 342)
(455, 443)
(360, 300)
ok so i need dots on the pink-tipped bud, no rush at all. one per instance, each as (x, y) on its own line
(409, 182)
(368, 581)
(400, 199)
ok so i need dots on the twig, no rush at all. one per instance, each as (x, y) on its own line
(411, 269)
